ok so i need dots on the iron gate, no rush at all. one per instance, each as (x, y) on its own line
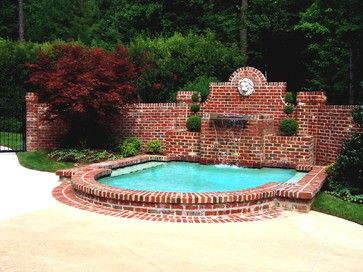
(12, 122)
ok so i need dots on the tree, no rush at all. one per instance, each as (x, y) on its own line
(243, 31)
(8, 19)
(21, 20)
(335, 34)
(83, 87)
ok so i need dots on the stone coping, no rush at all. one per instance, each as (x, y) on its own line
(85, 184)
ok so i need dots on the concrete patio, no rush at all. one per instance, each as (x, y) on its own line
(40, 234)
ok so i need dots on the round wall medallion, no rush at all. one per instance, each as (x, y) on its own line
(245, 87)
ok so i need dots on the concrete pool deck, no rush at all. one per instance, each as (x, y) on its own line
(40, 234)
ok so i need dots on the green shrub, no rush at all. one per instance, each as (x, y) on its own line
(194, 123)
(357, 115)
(195, 107)
(153, 147)
(201, 85)
(289, 98)
(10, 124)
(130, 147)
(195, 97)
(81, 155)
(179, 59)
(349, 164)
(288, 109)
(288, 127)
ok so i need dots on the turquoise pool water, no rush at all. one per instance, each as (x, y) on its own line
(193, 177)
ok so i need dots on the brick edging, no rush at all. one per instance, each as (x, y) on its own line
(297, 196)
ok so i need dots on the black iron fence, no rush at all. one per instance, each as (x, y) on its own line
(12, 122)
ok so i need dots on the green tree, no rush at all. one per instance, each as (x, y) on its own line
(335, 34)
(8, 19)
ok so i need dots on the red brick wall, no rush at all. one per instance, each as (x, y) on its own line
(329, 124)
(267, 98)
(334, 126)
(150, 121)
(322, 127)
(40, 132)
(182, 145)
(288, 151)
(234, 145)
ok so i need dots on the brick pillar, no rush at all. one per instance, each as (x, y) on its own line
(32, 121)
(307, 112)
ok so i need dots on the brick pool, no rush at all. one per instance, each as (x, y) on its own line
(84, 189)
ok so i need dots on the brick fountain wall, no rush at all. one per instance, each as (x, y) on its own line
(322, 127)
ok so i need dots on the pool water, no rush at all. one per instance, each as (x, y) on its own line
(193, 177)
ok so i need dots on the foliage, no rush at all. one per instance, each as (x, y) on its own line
(38, 160)
(81, 155)
(130, 147)
(12, 140)
(177, 60)
(201, 85)
(153, 147)
(194, 107)
(13, 56)
(11, 124)
(335, 33)
(347, 172)
(329, 204)
(357, 115)
(83, 86)
(195, 97)
(288, 127)
(289, 98)
(194, 123)
(288, 109)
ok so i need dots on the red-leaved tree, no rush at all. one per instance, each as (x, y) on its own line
(84, 87)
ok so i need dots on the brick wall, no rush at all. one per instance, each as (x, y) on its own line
(41, 133)
(330, 125)
(183, 145)
(322, 127)
(150, 121)
(288, 151)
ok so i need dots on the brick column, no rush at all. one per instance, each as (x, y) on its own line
(32, 121)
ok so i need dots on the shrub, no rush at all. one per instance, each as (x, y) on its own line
(177, 60)
(195, 107)
(349, 163)
(201, 85)
(10, 124)
(83, 86)
(357, 115)
(194, 123)
(195, 97)
(81, 155)
(130, 147)
(288, 127)
(153, 147)
(288, 109)
(289, 98)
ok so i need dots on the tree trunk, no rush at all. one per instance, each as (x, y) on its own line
(21, 20)
(243, 30)
(351, 77)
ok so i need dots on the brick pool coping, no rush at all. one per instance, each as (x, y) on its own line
(266, 198)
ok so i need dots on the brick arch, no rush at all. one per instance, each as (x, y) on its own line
(249, 72)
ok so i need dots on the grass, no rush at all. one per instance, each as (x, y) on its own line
(11, 139)
(38, 160)
(332, 205)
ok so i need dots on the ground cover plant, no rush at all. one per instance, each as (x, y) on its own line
(39, 160)
(332, 205)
